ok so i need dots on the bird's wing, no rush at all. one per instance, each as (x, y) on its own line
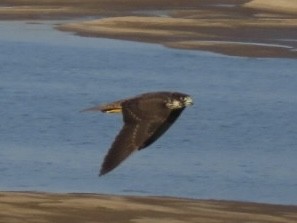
(131, 137)
(135, 136)
(122, 147)
(157, 127)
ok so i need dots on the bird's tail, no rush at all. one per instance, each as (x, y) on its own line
(114, 107)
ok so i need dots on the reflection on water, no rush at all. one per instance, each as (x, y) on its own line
(237, 142)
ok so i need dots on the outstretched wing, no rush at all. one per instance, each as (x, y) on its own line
(124, 144)
(157, 128)
(136, 134)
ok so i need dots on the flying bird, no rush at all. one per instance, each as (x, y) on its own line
(146, 117)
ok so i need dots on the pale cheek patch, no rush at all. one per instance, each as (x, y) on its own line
(174, 104)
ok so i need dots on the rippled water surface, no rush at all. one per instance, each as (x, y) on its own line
(237, 142)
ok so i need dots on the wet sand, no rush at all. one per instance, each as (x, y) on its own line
(79, 208)
(232, 27)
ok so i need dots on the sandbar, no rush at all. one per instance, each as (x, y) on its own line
(20, 207)
(248, 28)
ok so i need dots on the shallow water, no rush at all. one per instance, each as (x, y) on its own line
(237, 142)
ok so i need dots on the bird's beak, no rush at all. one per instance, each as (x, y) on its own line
(188, 101)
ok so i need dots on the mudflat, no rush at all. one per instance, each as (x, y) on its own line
(252, 28)
(20, 207)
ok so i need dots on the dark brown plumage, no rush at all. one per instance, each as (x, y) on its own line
(146, 117)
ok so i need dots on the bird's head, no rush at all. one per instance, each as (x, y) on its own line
(178, 101)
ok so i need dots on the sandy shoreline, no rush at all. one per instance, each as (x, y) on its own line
(285, 6)
(49, 207)
(221, 26)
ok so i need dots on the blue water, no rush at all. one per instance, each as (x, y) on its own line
(237, 142)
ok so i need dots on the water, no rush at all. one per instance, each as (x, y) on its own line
(237, 142)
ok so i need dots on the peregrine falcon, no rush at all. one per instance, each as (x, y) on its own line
(146, 117)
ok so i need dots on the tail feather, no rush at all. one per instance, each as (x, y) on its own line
(114, 107)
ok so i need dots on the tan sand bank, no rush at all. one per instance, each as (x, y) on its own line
(18, 207)
(60, 9)
(221, 26)
(223, 35)
(284, 6)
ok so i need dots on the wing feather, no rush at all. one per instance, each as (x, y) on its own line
(158, 128)
(130, 138)
(122, 147)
